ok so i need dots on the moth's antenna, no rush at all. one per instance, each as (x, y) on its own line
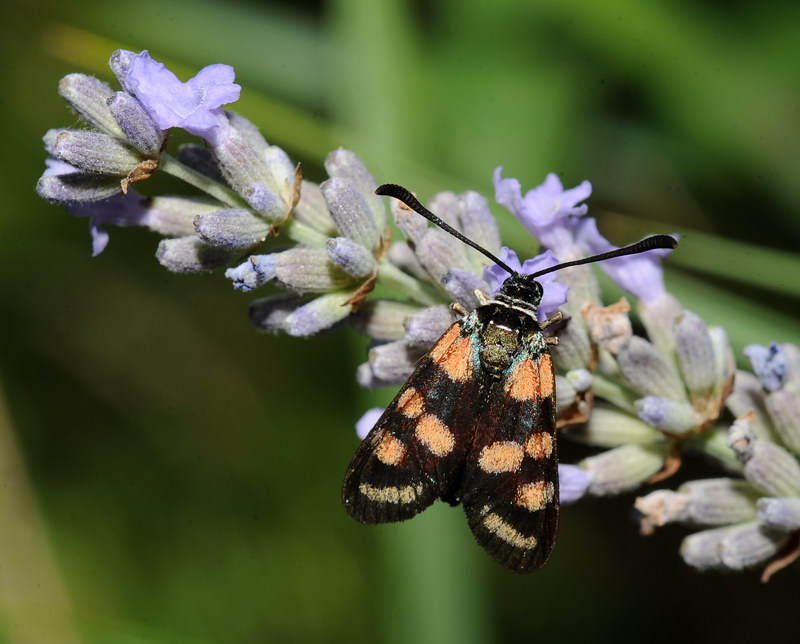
(401, 194)
(648, 243)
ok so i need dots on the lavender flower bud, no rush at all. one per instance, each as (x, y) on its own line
(192, 255)
(249, 132)
(648, 372)
(608, 427)
(447, 207)
(780, 513)
(767, 466)
(368, 421)
(88, 97)
(120, 63)
(280, 170)
(573, 483)
(351, 214)
(74, 188)
(658, 317)
(256, 271)
(573, 351)
(659, 508)
(412, 225)
(580, 379)
(750, 544)
(312, 211)
(784, 409)
(747, 396)
(667, 414)
(461, 286)
(401, 255)
(239, 159)
(623, 468)
(719, 501)
(769, 364)
(703, 550)
(695, 353)
(565, 394)
(175, 216)
(265, 202)
(320, 314)
(344, 164)
(270, 313)
(137, 124)
(427, 326)
(392, 362)
(383, 320)
(96, 153)
(352, 258)
(724, 364)
(439, 253)
(232, 228)
(303, 268)
(201, 159)
(478, 224)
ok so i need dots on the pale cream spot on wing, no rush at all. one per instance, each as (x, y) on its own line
(539, 445)
(508, 533)
(523, 382)
(390, 451)
(411, 403)
(457, 362)
(546, 376)
(502, 456)
(405, 494)
(434, 434)
(443, 344)
(535, 496)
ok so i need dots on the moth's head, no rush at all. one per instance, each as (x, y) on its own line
(523, 288)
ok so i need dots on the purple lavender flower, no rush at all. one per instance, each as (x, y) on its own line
(555, 293)
(548, 211)
(194, 105)
(769, 364)
(367, 421)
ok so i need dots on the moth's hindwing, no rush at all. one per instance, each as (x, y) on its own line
(510, 483)
(417, 449)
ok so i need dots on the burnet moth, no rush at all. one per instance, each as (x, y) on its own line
(476, 421)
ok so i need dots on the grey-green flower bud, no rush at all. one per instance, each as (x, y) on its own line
(780, 513)
(137, 124)
(312, 210)
(695, 353)
(89, 97)
(270, 313)
(748, 396)
(174, 216)
(192, 255)
(767, 466)
(82, 188)
(232, 228)
(783, 406)
(648, 372)
(96, 153)
(749, 545)
(351, 257)
(305, 269)
(574, 350)
(320, 314)
(346, 165)
(667, 414)
(623, 468)
(719, 501)
(608, 427)
(350, 212)
(427, 326)
(440, 252)
(383, 320)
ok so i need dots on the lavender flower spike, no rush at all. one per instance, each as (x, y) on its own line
(194, 105)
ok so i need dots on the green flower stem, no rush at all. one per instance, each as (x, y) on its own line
(612, 392)
(303, 234)
(397, 280)
(171, 165)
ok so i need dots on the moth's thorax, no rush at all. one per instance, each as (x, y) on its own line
(505, 330)
(521, 291)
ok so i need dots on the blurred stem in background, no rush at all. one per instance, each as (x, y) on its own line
(34, 602)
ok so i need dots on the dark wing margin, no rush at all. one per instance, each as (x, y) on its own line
(510, 485)
(416, 451)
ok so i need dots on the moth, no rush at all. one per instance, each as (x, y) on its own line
(475, 424)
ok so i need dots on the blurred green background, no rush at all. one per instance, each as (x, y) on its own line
(168, 475)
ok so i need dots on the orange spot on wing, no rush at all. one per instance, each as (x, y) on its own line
(539, 445)
(390, 450)
(434, 434)
(411, 403)
(535, 496)
(523, 382)
(443, 343)
(546, 375)
(457, 362)
(502, 456)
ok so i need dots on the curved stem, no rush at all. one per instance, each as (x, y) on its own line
(411, 287)
(171, 165)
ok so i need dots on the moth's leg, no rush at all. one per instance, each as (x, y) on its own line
(483, 298)
(456, 308)
(556, 317)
